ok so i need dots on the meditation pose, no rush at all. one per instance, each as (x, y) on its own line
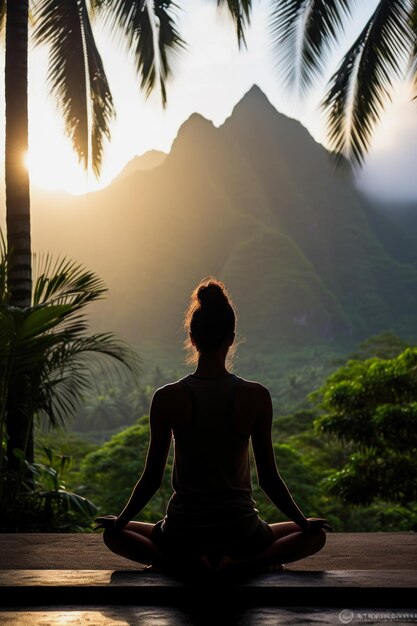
(211, 522)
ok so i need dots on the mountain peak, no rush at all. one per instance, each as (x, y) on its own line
(255, 92)
(196, 129)
(255, 96)
(254, 104)
(197, 121)
(255, 107)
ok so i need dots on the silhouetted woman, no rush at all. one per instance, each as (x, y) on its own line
(211, 521)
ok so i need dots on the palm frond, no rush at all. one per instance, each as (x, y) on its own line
(73, 367)
(47, 359)
(170, 45)
(39, 320)
(102, 108)
(302, 33)
(240, 10)
(63, 281)
(58, 24)
(49, 362)
(363, 83)
(149, 30)
(76, 75)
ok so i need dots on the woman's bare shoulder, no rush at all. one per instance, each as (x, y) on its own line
(168, 392)
(168, 389)
(255, 389)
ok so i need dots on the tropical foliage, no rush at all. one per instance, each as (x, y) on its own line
(47, 362)
(38, 500)
(371, 407)
(384, 53)
(386, 345)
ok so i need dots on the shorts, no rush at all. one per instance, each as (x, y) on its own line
(179, 547)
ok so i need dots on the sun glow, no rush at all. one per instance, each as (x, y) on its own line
(140, 125)
(53, 165)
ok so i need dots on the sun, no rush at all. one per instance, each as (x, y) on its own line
(56, 170)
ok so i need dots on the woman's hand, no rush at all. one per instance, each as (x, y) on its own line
(106, 522)
(315, 523)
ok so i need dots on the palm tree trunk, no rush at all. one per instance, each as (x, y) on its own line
(19, 427)
(17, 176)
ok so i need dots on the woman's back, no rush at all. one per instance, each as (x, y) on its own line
(211, 451)
(212, 419)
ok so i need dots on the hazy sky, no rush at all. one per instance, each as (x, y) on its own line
(210, 78)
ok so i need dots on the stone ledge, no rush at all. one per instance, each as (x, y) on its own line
(309, 588)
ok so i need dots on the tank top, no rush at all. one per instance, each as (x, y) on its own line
(212, 490)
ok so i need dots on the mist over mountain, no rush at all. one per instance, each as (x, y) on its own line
(257, 203)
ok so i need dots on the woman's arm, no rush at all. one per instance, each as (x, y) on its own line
(151, 478)
(268, 476)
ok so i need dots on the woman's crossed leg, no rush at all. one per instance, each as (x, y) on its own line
(134, 542)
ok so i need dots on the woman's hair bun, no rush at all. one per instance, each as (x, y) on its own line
(210, 319)
(212, 294)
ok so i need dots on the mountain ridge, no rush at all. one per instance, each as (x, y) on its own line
(255, 202)
(147, 161)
